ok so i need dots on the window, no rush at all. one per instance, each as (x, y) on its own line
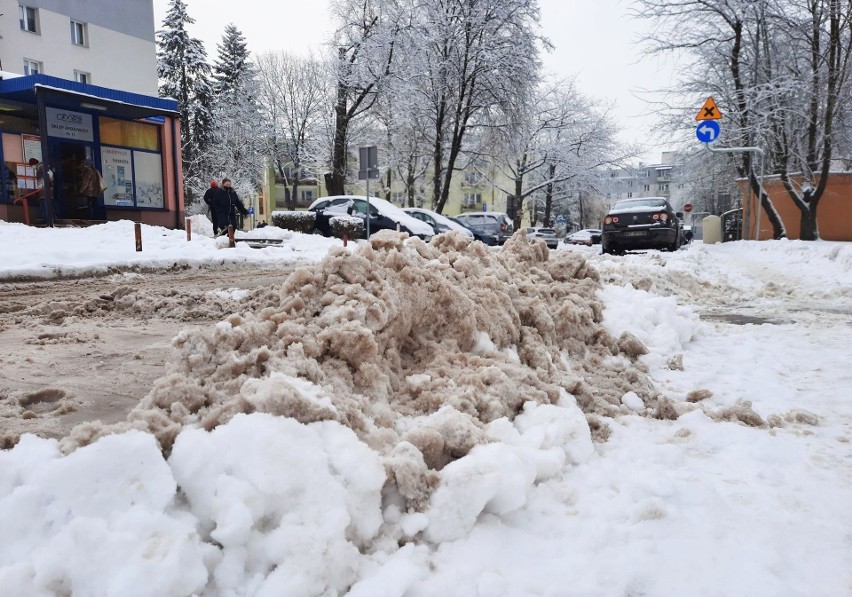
(32, 67)
(28, 18)
(663, 187)
(399, 198)
(647, 187)
(472, 199)
(126, 133)
(629, 195)
(307, 196)
(78, 34)
(472, 179)
(81, 77)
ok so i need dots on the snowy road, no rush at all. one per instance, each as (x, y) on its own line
(64, 343)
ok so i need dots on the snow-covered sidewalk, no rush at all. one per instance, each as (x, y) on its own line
(30, 252)
(692, 504)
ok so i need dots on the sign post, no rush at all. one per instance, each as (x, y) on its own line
(367, 169)
(707, 131)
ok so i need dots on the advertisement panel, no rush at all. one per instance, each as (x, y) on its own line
(118, 176)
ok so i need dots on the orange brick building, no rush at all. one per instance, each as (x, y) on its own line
(834, 213)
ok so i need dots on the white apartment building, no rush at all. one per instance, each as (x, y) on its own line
(644, 180)
(109, 43)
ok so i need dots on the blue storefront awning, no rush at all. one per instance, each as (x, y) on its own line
(70, 94)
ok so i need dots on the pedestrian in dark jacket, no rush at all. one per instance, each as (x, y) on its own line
(208, 199)
(226, 206)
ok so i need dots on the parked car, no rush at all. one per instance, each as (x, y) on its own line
(438, 222)
(494, 223)
(488, 239)
(588, 237)
(646, 223)
(548, 235)
(384, 215)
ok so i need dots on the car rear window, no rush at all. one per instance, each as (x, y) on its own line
(639, 203)
(547, 231)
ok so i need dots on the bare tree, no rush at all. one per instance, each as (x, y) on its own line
(471, 62)
(294, 95)
(562, 136)
(364, 44)
(780, 67)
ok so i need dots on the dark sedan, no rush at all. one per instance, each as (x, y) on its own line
(647, 223)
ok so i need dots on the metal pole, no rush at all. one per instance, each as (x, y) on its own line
(368, 200)
(47, 190)
(760, 197)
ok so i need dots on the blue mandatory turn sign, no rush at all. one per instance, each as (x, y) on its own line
(708, 131)
(251, 211)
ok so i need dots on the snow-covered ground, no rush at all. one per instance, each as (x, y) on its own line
(693, 503)
(36, 253)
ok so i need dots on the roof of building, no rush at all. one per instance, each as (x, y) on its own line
(23, 90)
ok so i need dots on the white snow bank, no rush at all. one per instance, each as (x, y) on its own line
(48, 252)
(268, 506)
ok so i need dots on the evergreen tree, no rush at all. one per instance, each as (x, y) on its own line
(184, 75)
(237, 148)
(232, 64)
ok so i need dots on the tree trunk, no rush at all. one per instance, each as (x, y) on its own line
(808, 222)
(389, 179)
(778, 229)
(336, 180)
(580, 210)
(519, 202)
(409, 186)
(548, 195)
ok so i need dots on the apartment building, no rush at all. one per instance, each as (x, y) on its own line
(109, 43)
(644, 180)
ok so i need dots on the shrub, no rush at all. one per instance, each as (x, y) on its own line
(298, 221)
(349, 225)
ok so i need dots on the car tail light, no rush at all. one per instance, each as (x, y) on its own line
(615, 219)
(607, 220)
(655, 217)
(502, 227)
(664, 217)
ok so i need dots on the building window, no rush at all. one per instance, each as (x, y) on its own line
(32, 67)
(307, 196)
(28, 18)
(399, 198)
(472, 199)
(629, 195)
(78, 34)
(663, 187)
(647, 187)
(81, 77)
(472, 179)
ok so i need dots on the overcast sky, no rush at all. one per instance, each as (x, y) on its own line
(595, 40)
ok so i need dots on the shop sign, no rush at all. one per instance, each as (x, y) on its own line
(70, 125)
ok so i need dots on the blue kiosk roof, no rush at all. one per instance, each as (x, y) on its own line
(23, 90)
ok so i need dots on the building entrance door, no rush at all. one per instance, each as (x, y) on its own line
(71, 203)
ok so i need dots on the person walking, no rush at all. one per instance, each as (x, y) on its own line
(208, 199)
(226, 206)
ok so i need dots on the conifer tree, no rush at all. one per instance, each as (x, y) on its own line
(184, 76)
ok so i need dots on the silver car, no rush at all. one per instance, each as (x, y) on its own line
(548, 235)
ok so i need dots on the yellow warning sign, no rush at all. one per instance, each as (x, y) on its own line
(709, 111)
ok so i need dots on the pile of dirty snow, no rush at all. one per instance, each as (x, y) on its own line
(414, 347)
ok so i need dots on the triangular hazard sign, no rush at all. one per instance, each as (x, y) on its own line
(709, 111)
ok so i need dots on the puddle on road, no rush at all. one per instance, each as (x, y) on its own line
(742, 319)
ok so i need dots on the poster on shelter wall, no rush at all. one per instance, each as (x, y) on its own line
(149, 179)
(118, 176)
(32, 147)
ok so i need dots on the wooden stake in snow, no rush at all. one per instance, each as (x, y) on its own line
(231, 242)
(345, 239)
(188, 230)
(137, 230)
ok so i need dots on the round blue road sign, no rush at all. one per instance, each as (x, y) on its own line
(708, 131)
